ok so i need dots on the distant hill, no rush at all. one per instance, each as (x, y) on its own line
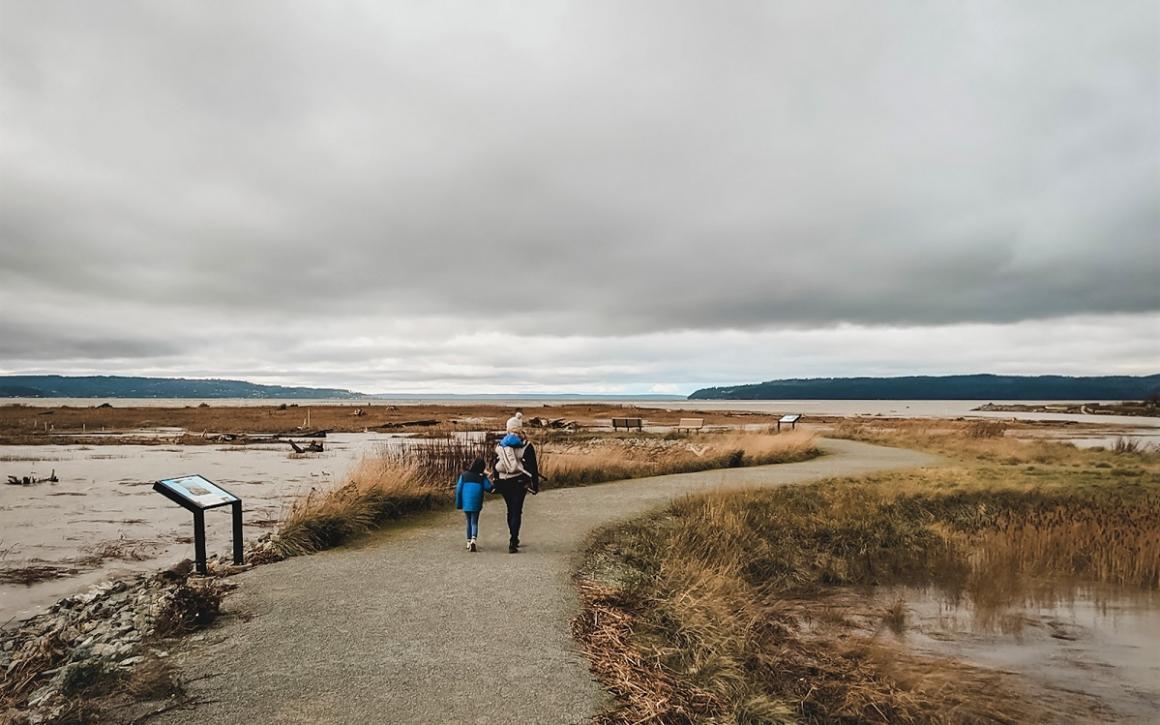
(947, 387)
(115, 386)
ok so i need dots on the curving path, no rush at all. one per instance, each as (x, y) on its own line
(411, 628)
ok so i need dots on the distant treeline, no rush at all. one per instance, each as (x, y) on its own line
(947, 387)
(115, 386)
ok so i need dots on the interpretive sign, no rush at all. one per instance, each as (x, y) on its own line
(199, 494)
(198, 491)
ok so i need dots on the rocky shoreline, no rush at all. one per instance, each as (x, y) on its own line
(103, 652)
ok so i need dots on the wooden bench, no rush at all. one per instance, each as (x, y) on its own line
(690, 424)
(627, 423)
(791, 418)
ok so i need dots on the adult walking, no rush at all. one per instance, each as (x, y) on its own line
(516, 474)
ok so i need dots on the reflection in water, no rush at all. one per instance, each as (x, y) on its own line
(1094, 640)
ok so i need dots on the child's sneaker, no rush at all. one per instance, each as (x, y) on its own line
(471, 545)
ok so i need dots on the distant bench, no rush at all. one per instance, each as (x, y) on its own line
(627, 423)
(690, 424)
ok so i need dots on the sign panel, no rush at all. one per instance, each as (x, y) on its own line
(197, 491)
(790, 418)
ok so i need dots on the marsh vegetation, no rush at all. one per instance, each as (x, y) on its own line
(770, 605)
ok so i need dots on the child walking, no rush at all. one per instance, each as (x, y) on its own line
(469, 498)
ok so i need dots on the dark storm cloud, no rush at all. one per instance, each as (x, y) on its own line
(599, 168)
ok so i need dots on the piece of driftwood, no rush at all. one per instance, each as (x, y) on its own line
(240, 438)
(408, 424)
(311, 447)
(31, 480)
(320, 433)
(556, 423)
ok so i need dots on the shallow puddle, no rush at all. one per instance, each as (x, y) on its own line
(1095, 641)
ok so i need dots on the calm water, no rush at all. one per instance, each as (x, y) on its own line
(1094, 640)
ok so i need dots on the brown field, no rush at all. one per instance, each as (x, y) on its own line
(27, 425)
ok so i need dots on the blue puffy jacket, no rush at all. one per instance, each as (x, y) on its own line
(469, 494)
(512, 440)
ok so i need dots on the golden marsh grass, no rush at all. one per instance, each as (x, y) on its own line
(717, 609)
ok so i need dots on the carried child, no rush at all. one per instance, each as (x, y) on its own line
(469, 490)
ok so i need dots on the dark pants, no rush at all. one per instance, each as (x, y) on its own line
(513, 495)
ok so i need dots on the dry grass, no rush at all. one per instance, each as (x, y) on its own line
(436, 460)
(565, 467)
(188, 607)
(709, 610)
(153, 679)
(377, 490)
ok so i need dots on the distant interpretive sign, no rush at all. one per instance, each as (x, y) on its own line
(197, 491)
(790, 418)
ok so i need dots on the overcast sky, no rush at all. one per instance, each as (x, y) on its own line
(614, 196)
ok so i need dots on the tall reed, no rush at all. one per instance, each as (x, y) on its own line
(377, 490)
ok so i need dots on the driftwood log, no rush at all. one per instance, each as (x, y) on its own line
(320, 433)
(556, 423)
(408, 424)
(30, 480)
(311, 447)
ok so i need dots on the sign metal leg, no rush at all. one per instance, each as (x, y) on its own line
(199, 541)
(236, 510)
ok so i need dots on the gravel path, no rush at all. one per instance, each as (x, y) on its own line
(411, 628)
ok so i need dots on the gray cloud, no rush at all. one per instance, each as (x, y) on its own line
(201, 177)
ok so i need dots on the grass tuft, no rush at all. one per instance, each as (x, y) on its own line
(190, 606)
(378, 490)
